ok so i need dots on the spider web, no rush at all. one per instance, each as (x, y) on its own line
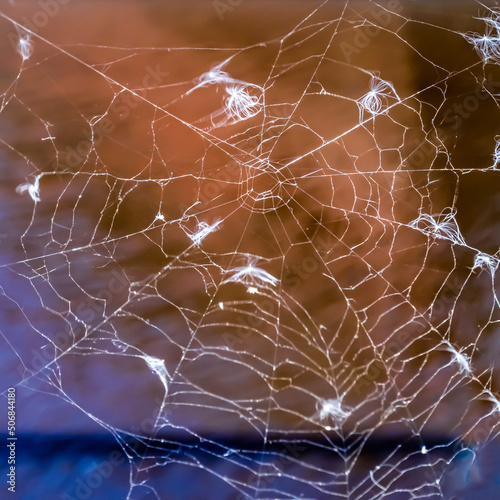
(257, 258)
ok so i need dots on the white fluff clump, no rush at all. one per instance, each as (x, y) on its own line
(462, 360)
(157, 366)
(32, 189)
(376, 100)
(240, 104)
(214, 76)
(251, 275)
(458, 357)
(332, 411)
(443, 226)
(203, 229)
(25, 46)
(487, 45)
(243, 100)
(486, 262)
(496, 153)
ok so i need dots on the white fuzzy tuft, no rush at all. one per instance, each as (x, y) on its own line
(376, 100)
(25, 47)
(32, 189)
(488, 44)
(240, 104)
(203, 229)
(485, 261)
(332, 411)
(443, 226)
(251, 275)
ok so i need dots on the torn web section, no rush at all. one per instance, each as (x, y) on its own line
(268, 230)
